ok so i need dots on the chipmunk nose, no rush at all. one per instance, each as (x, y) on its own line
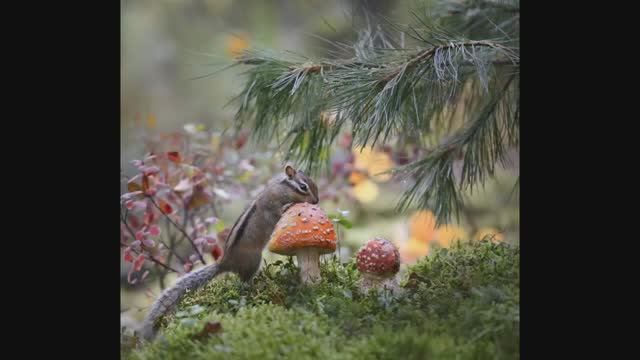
(315, 201)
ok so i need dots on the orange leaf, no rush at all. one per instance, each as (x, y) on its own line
(133, 186)
(198, 199)
(422, 226)
(165, 207)
(145, 183)
(356, 177)
(236, 45)
(152, 121)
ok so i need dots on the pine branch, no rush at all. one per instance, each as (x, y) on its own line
(481, 145)
(386, 92)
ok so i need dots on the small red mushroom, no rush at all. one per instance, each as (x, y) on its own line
(378, 261)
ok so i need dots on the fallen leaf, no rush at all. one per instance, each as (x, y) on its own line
(210, 328)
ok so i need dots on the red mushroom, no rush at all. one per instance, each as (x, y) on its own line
(378, 261)
(305, 231)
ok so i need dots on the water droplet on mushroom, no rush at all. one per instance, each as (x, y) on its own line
(304, 220)
(315, 228)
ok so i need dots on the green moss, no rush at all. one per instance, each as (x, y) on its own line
(460, 303)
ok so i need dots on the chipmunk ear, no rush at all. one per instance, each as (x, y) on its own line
(290, 171)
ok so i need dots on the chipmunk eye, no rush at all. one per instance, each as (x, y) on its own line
(303, 186)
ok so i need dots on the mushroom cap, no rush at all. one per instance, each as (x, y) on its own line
(379, 257)
(303, 226)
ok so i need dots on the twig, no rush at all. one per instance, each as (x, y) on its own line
(151, 257)
(179, 228)
(161, 276)
(429, 52)
(321, 67)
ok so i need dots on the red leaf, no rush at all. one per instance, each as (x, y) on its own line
(129, 204)
(240, 140)
(216, 252)
(137, 265)
(174, 156)
(127, 255)
(148, 217)
(188, 266)
(134, 222)
(124, 234)
(140, 235)
(154, 230)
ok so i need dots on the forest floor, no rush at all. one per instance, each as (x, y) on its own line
(456, 303)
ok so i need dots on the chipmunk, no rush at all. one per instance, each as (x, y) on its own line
(244, 245)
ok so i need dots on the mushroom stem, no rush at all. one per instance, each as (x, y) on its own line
(309, 263)
(372, 281)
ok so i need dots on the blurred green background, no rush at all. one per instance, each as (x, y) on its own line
(166, 44)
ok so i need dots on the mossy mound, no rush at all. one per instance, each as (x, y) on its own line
(460, 303)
